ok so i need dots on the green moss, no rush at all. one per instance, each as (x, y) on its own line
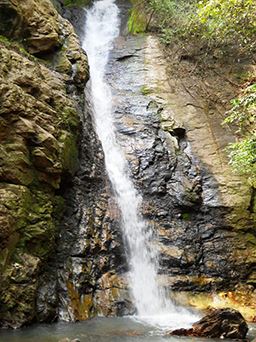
(250, 238)
(70, 117)
(63, 65)
(38, 235)
(34, 213)
(17, 200)
(145, 90)
(69, 152)
(69, 3)
(5, 40)
(185, 216)
(137, 22)
(15, 164)
(17, 46)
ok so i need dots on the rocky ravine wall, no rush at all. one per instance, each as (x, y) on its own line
(71, 264)
(43, 72)
(202, 213)
(208, 241)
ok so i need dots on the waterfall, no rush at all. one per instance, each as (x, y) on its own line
(102, 27)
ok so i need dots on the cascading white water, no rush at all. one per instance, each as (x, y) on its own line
(102, 27)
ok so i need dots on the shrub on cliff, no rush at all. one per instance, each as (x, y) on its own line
(212, 23)
(172, 17)
(228, 21)
(218, 22)
(242, 153)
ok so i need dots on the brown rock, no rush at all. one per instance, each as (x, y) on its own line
(39, 125)
(220, 323)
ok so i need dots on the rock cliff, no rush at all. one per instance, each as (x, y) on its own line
(43, 72)
(61, 249)
(202, 213)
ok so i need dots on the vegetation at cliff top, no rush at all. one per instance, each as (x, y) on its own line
(212, 23)
(76, 2)
(219, 22)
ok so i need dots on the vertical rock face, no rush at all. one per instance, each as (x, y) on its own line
(90, 262)
(201, 211)
(43, 72)
(207, 206)
(61, 247)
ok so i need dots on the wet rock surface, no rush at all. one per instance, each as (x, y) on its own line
(194, 213)
(197, 207)
(88, 272)
(198, 210)
(41, 103)
(222, 323)
(182, 198)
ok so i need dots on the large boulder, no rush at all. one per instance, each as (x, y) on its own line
(220, 323)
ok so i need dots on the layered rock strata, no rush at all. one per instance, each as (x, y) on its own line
(62, 252)
(200, 210)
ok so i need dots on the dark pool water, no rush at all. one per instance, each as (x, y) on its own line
(98, 330)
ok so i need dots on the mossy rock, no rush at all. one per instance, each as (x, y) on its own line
(71, 3)
(39, 125)
(69, 152)
(137, 22)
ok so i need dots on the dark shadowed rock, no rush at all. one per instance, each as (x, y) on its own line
(125, 308)
(221, 323)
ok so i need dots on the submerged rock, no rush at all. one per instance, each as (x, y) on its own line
(221, 323)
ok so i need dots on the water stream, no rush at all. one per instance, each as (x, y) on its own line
(96, 330)
(155, 311)
(102, 28)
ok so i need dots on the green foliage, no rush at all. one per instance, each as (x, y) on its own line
(228, 20)
(165, 10)
(219, 22)
(243, 157)
(242, 154)
(145, 90)
(69, 3)
(243, 112)
(137, 22)
(185, 216)
(4, 40)
(172, 17)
